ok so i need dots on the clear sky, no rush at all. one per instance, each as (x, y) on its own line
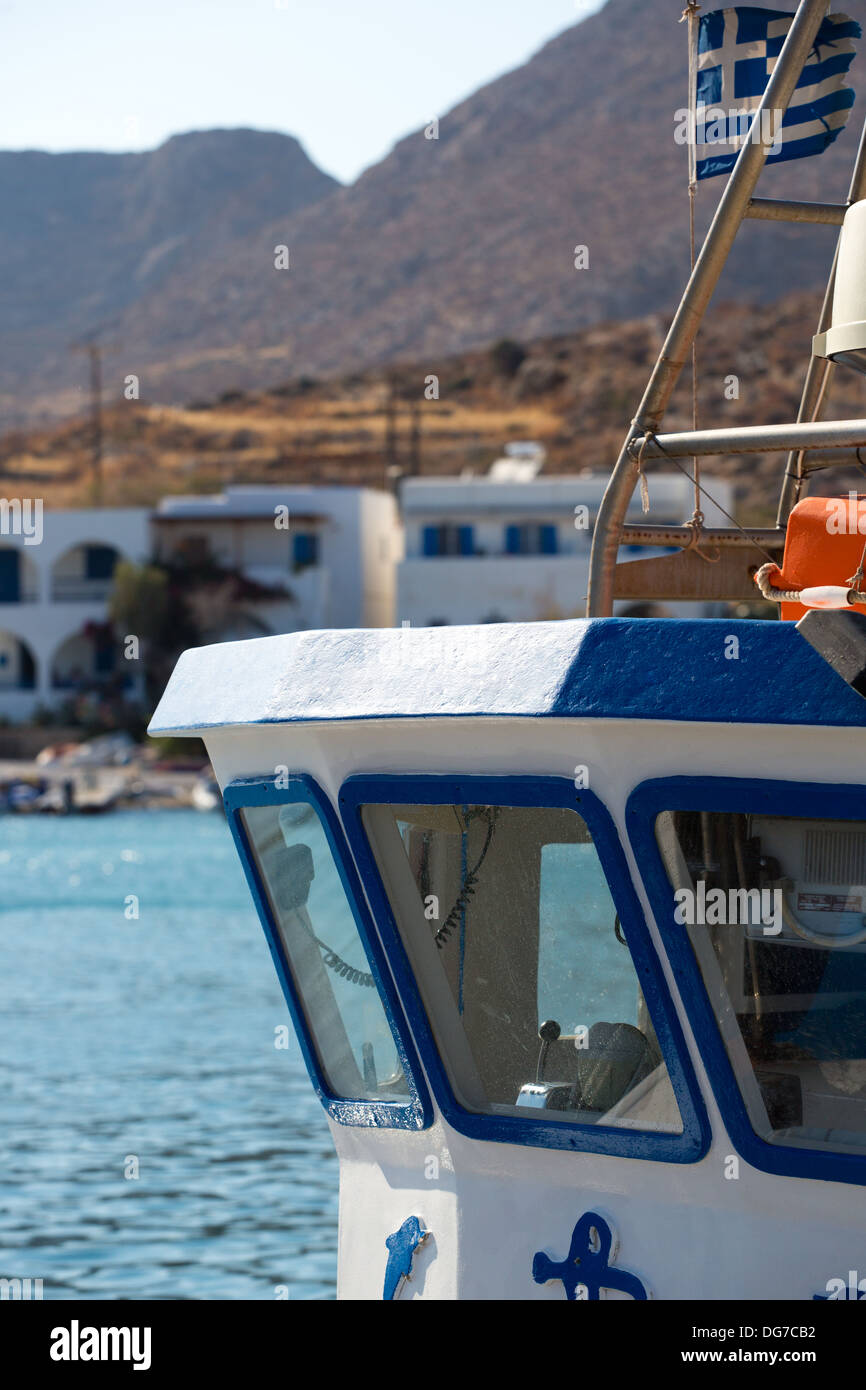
(347, 77)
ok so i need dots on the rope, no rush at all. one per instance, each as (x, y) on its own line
(857, 577)
(762, 579)
(654, 437)
(696, 526)
(644, 487)
(766, 572)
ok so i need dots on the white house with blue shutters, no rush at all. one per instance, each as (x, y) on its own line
(314, 557)
(487, 549)
(493, 549)
(327, 554)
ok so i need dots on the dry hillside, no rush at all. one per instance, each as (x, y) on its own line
(576, 393)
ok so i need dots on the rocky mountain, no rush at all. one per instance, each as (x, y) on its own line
(87, 239)
(445, 245)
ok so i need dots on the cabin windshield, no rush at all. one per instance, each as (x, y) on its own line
(775, 910)
(523, 968)
(324, 952)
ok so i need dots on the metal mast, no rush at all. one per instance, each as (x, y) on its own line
(835, 443)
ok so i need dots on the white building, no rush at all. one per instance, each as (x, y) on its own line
(54, 633)
(332, 551)
(490, 549)
(311, 558)
(505, 547)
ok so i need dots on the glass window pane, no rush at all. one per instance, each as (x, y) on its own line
(327, 959)
(587, 977)
(531, 990)
(775, 910)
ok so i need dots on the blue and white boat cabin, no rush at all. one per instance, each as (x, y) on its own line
(571, 921)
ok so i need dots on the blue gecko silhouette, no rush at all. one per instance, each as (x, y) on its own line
(401, 1248)
(583, 1265)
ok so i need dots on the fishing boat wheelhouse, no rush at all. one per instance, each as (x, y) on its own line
(571, 917)
(470, 848)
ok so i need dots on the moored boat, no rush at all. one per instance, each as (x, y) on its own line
(571, 917)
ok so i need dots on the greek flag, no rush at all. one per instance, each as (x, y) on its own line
(737, 51)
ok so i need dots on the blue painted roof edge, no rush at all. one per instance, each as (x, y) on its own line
(737, 671)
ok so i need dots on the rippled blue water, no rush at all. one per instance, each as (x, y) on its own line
(151, 1038)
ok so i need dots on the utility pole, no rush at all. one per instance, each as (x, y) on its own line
(401, 408)
(391, 426)
(94, 352)
(415, 437)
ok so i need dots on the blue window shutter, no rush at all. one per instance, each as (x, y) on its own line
(548, 540)
(512, 540)
(467, 541)
(306, 549)
(431, 540)
(10, 576)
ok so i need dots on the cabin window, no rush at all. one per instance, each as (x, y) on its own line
(774, 910)
(523, 968)
(342, 1008)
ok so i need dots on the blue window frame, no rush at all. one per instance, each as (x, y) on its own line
(416, 1111)
(688, 1145)
(759, 797)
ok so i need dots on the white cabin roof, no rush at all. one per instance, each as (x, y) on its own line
(623, 668)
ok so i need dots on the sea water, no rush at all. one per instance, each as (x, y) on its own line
(154, 1141)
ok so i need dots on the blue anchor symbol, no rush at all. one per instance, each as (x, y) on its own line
(586, 1263)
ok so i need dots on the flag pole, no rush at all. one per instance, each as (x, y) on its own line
(690, 13)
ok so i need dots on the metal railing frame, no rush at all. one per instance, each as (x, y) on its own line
(737, 203)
